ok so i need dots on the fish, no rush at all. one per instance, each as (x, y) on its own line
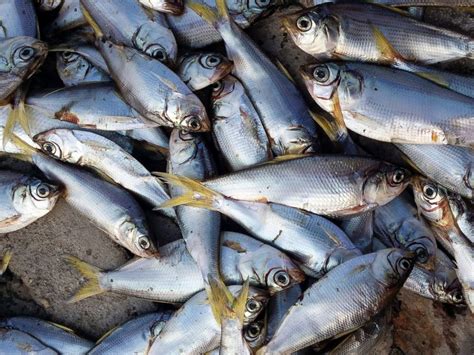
(90, 150)
(15, 342)
(194, 32)
(284, 113)
(330, 185)
(314, 242)
(415, 110)
(229, 312)
(92, 105)
(398, 226)
(360, 230)
(174, 277)
(69, 17)
(17, 18)
(25, 199)
(254, 333)
(193, 328)
(49, 5)
(433, 204)
(348, 31)
(347, 298)
(127, 23)
(450, 166)
(108, 207)
(174, 7)
(236, 126)
(57, 337)
(134, 336)
(74, 69)
(202, 69)
(20, 58)
(153, 89)
(189, 156)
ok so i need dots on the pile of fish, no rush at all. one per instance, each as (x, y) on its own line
(290, 240)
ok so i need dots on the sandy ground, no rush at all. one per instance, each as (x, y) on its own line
(39, 281)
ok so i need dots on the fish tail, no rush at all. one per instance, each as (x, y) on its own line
(90, 20)
(214, 17)
(91, 274)
(7, 255)
(223, 304)
(195, 194)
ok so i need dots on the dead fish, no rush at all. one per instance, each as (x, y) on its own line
(74, 69)
(360, 230)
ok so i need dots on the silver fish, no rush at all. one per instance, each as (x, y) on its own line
(174, 7)
(97, 106)
(58, 338)
(193, 328)
(49, 5)
(236, 126)
(25, 199)
(74, 69)
(107, 206)
(93, 151)
(69, 17)
(17, 18)
(284, 113)
(153, 89)
(14, 342)
(391, 105)
(398, 226)
(330, 185)
(174, 276)
(450, 166)
(360, 230)
(190, 157)
(351, 31)
(255, 333)
(134, 336)
(201, 69)
(126, 22)
(20, 57)
(348, 297)
(314, 242)
(192, 31)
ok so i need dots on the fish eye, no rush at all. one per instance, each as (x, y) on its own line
(194, 123)
(26, 53)
(262, 3)
(457, 296)
(50, 148)
(217, 86)
(321, 73)
(43, 190)
(157, 52)
(252, 332)
(281, 278)
(430, 191)
(213, 61)
(404, 264)
(253, 306)
(304, 23)
(144, 243)
(69, 56)
(421, 254)
(398, 176)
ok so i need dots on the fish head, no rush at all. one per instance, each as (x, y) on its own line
(447, 288)
(20, 57)
(392, 266)
(256, 302)
(60, 144)
(49, 5)
(254, 334)
(282, 273)
(432, 202)
(36, 195)
(203, 69)
(225, 89)
(192, 112)
(157, 42)
(72, 67)
(136, 239)
(384, 183)
(315, 31)
(414, 235)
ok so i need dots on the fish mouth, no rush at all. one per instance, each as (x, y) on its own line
(224, 69)
(175, 7)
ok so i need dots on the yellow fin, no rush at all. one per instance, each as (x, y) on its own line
(285, 157)
(7, 255)
(335, 133)
(337, 111)
(23, 117)
(25, 148)
(196, 194)
(384, 46)
(222, 11)
(106, 334)
(223, 303)
(9, 127)
(438, 79)
(207, 13)
(90, 20)
(63, 327)
(91, 274)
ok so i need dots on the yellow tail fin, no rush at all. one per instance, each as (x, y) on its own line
(209, 14)
(7, 255)
(224, 304)
(196, 194)
(91, 274)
